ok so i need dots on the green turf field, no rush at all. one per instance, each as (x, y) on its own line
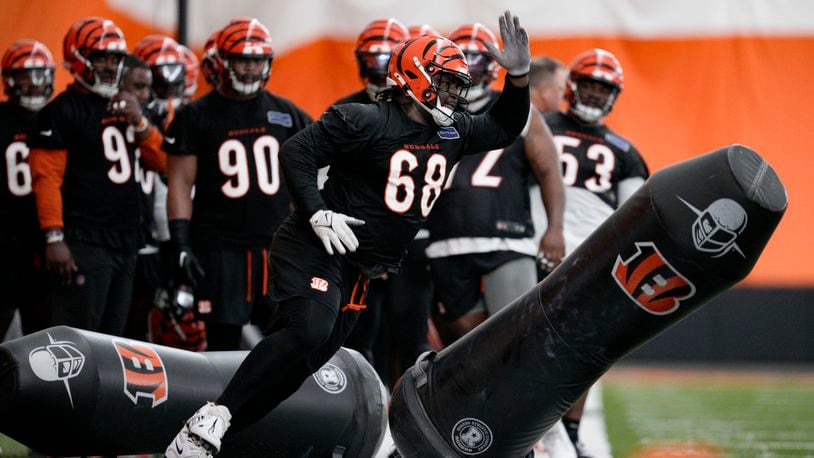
(722, 413)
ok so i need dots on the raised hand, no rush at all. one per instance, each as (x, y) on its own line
(515, 56)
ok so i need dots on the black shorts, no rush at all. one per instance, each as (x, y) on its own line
(235, 283)
(301, 267)
(458, 280)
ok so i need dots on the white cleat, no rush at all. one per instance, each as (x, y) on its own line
(202, 434)
(186, 446)
(210, 423)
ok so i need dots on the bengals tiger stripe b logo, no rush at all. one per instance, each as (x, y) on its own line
(144, 373)
(650, 281)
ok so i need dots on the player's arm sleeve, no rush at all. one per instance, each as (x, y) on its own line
(501, 124)
(179, 138)
(332, 138)
(47, 172)
(48, 160)
(152, 156)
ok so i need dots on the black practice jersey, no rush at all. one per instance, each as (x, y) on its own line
(594, 157)
(240, 194)
(595, 160)
(356, 97)
(18, 210)
(486, 195)
(99, 189)
(389, 170)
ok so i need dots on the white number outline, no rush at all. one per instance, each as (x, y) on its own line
(17, 168)
(481, 178)
(433, 182)
(233, 163)
(115, 149)
(603, 157)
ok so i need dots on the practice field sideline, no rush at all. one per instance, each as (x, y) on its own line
(705, 413)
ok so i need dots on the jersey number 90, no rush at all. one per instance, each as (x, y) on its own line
(233, 163)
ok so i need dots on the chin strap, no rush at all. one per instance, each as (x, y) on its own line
(441, 115)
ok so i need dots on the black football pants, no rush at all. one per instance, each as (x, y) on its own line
(304, 336)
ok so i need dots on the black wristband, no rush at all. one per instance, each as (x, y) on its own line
(517, 76)
(179, 234)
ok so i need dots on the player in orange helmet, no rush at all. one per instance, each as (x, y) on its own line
(601, 169)
(372, 53)
(168, 65)
(226, 145)
(389, 161)
(28, 81)
(482, 247)
(209, 67)
(192, 66)
(84, 167)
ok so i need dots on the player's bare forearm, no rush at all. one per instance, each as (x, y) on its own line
(181, 172)
(542, 155)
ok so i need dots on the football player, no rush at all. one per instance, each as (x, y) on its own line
(192, 67)
(226, 144)
(209, 60)
(547, 81)
(481, 247)
(28, 81)
(388, 165)
(601, 169)
(84, 165)
(167, 63)
(400, 302)
(372, 53)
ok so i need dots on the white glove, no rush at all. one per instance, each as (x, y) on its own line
(516, 56)
(334, 229)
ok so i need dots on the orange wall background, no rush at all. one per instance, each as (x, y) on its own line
(682, 97)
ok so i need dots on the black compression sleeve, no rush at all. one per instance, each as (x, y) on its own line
(300, 162)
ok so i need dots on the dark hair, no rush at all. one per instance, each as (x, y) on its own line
(131, 61)
(543, 69)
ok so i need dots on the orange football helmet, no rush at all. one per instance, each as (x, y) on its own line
(373, 48)
(423, 29)
(166, 60)
(86, 39)
(245, 38)
(28, 74)
(193, 68)
(597, 65)
(472, 39)
(423, 68)
(209, 63)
